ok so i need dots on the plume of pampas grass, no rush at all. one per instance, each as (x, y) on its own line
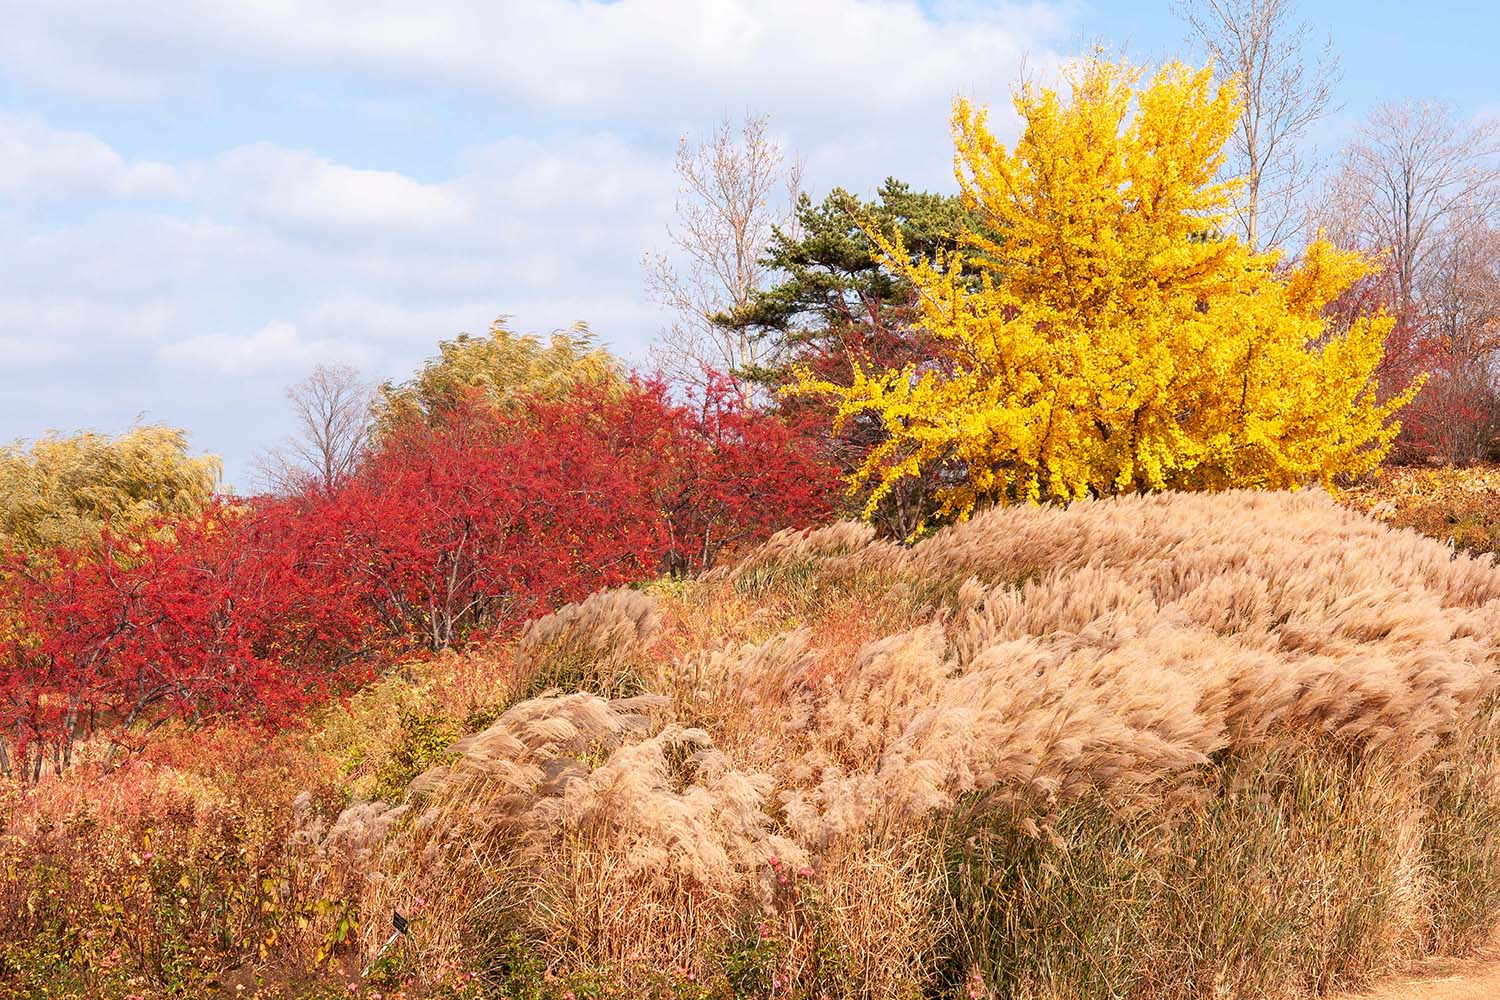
(611, 623)
(797, 545)
(591, 645)
(1093, 672)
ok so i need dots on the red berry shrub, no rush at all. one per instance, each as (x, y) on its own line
(724, 474)
(449, 530)
(236, 611)
(488, 519)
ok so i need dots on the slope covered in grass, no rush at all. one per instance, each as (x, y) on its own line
(1459, 505)
(1175, 746)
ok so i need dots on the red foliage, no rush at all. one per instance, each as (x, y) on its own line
(237, 611)
(1454, 416)
(466, 527)
(488, 519)
(1373, 294)
(724, 474)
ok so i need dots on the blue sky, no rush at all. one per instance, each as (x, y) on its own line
(203, 200)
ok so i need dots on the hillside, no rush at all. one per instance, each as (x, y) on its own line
(1173, 746)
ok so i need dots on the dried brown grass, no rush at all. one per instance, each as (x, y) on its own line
(1173, 746)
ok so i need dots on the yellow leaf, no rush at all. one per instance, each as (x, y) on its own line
(1117, 339)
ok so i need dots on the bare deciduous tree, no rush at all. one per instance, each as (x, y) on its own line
(1461, 308)
(332, 408)
(1464, 300)
(734, 186)
(1422, 188)
(1281, 95)
(1410, 173)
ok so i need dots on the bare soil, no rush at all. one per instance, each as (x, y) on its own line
(1441, 979)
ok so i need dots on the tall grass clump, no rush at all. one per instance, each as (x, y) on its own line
(1461, 840)
(1288, 880)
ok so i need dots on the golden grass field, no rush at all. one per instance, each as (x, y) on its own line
(1178, 746)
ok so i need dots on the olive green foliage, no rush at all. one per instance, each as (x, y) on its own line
(501, 367)
(422, 741)
(60, 490)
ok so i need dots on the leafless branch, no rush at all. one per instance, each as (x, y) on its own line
(1282, 95)
(332, 409)
(734, 186)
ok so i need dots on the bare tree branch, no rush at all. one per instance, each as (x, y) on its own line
(1410, 175)
(734, 186)
(1422, 189)
(1282, 95)
(332, 408)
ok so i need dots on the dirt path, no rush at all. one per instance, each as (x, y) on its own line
(1475, 979)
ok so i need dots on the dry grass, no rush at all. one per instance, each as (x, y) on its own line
(1460, 505)
(1179, 746)
(1172, 746)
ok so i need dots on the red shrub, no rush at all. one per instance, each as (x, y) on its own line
(479, 522)
(492, 517)
(236, 611)
(489, 519)
(725, 474)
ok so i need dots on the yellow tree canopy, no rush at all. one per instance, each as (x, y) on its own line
(1116, 338)
(60, 490)
(501, 365)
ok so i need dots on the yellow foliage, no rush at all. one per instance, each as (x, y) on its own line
(1115, 338)
(503, 367)
(60, 490)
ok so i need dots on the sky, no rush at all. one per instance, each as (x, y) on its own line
(202, 200)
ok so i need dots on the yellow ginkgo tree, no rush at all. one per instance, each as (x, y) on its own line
(1110, 335)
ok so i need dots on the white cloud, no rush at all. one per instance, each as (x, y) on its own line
(310, 190)
(29, 350)
(366, 318)
(863, 61)
(51, 329)
(277, 345)
(38, 162)
(212, 280)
